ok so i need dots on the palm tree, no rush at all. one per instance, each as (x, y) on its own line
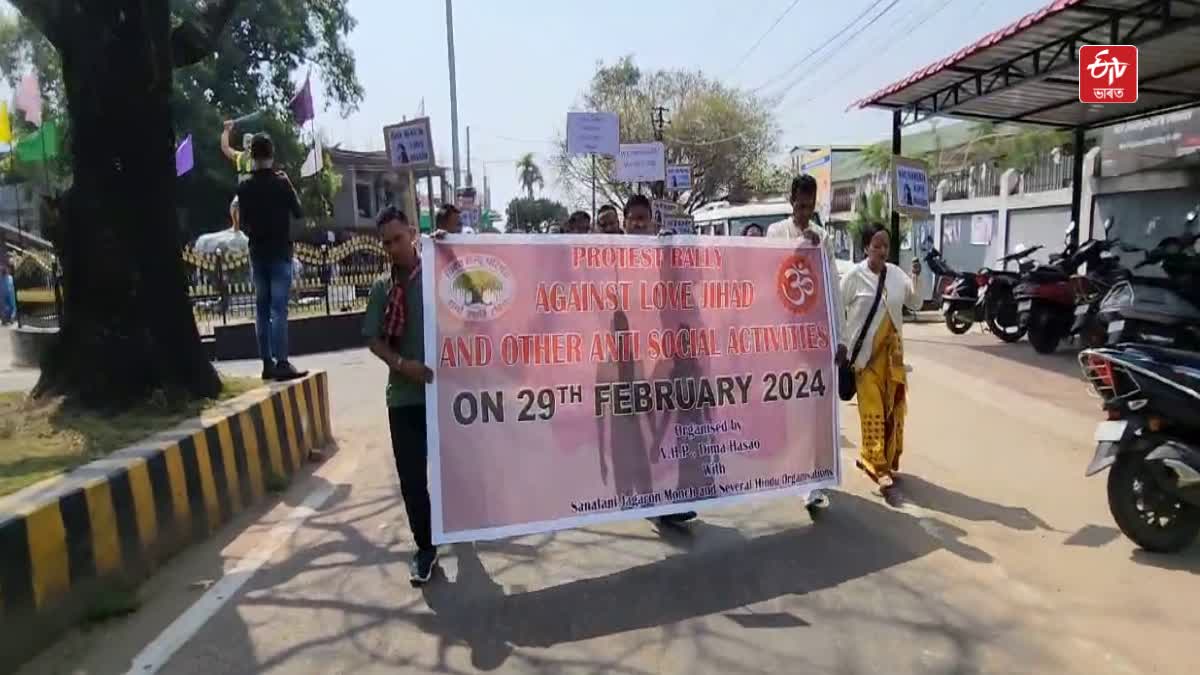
(869, 208)
(529, 174)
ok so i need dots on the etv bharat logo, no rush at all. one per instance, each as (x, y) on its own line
(477, 287)
(797, 284)
(1108, 74)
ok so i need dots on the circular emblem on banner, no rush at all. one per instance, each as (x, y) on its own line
(797, 284)
(477, 287)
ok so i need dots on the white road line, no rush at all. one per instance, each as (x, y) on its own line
(156, 654)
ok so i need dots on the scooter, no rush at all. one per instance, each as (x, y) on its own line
(1150, 441)
(1104, 270)
(985, 296)
(1163, 311)
(1046, 299)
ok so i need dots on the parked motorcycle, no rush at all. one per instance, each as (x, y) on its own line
(1163, 311)
(1046, 299)
(1151, 441)
(984, 296)
(1103, 272)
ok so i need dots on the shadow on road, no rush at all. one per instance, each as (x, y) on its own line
(1061, 362)
(1185, 561)
(933, 497)
(856, 538)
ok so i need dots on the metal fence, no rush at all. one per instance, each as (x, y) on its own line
(326, 280)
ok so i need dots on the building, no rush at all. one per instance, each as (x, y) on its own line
(369, 183)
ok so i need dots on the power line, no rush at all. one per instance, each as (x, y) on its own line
(762, 37)
(792, 68)
(787, 89)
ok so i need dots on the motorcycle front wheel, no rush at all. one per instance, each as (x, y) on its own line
(956, 325)
(1152, 518)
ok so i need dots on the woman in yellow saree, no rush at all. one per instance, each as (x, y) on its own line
(878, 365)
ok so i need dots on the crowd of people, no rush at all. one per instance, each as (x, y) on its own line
(867, 316)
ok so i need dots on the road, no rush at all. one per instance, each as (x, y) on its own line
(1000, 557)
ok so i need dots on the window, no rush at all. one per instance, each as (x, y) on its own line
(365, 196)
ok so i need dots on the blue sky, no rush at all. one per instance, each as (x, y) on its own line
(522, 64)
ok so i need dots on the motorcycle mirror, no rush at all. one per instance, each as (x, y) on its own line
(1108, 224)
(1152, 226)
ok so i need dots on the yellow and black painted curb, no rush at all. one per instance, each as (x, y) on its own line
(122, 516)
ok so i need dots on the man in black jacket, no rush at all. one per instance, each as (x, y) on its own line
(267, 202)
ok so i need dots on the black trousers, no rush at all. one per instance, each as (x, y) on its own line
(412, 454)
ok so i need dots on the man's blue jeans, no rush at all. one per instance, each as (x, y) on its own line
(8, 299)
(272, 289)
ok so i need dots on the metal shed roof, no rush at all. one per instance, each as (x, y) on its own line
(1028, 70)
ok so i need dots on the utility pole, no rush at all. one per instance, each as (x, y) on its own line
(659, 119)
(469, 181)
(453, 92)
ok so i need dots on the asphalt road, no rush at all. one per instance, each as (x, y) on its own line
(1001, 557)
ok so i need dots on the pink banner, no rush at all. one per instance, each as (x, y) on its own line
(583, 379)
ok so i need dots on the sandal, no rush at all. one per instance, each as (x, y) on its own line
(861, 466)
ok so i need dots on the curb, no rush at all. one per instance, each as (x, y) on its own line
(118, 518)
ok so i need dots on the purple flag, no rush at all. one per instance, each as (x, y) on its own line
(184, 159)
(302, 103)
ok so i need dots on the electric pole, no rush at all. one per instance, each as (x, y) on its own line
(659, 120)
(468, 178)
(453, 93)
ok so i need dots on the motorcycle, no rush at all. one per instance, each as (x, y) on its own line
(1164, 311)
(1104, 271)
(985, 296)
(1150, 441)
(1046, 299)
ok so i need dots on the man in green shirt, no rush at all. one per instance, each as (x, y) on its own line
(394, 329)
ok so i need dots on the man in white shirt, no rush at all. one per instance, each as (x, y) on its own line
(804, 202)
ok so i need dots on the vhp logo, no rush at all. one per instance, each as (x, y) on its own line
(1108, 74)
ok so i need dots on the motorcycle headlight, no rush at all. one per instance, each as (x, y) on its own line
(1120, 296)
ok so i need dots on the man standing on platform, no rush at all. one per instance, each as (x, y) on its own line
(267, 202)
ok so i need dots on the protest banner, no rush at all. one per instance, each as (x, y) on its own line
(641, 162)
(593, 133)
(578, 380)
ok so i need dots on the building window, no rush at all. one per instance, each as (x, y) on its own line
(365, 197)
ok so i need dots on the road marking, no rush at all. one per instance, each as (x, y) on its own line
(156, 654)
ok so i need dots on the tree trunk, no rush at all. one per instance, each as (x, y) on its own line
(128, 329)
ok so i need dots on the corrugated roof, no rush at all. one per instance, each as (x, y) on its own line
(1034, 62)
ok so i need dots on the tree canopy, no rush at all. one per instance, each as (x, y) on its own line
(725, 134)
(535, 214)
(529, 174)
(264, 44)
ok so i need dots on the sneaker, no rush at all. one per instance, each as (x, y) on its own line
(676, 518)
(285, 371)
(421, 568)
(268, 371)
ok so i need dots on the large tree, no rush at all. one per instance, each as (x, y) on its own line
(529, 174)
(127, 328)
(251, 69)
(534, 214)
(725, 134)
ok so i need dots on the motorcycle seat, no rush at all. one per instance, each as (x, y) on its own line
(1048, 274)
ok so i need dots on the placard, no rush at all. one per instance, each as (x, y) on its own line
(641, 162)
(409, 144)
(596, 133)
(679, 177)
(910, 187)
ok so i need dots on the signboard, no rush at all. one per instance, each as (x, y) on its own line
(661, 209)
(679, 177)
(679, 224)
(910, 187)
(641, 162)
(1167, 141)
(593, 133)
(819, 165)
(580, 381)
(409, 144)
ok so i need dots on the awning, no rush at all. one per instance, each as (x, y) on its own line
(1028, 71)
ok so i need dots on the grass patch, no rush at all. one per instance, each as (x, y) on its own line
(42, 438)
